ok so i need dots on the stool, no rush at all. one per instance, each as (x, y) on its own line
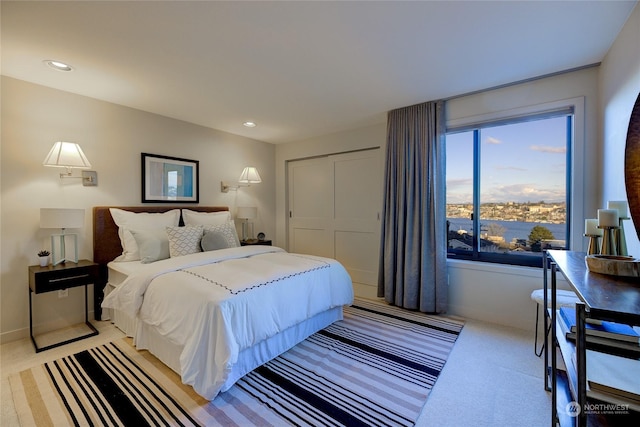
(563, 299)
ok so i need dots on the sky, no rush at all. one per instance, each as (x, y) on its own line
(522, 162)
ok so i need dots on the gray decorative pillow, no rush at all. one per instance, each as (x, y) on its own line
(184, 240)
(213, 240)
(153, 245)
(226, 231)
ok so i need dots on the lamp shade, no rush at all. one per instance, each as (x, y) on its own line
(250, 175)
(247, 212)
(68, 155)
(61, 218)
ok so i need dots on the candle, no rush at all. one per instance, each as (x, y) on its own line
(607, 218)
(591, 227)
(621, 206)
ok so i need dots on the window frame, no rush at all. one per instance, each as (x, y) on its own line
(574, 175)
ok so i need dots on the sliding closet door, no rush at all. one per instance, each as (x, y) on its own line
(309, 207)
(334, 211)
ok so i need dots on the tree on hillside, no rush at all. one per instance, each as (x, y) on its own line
(494, 229)
(537, 235)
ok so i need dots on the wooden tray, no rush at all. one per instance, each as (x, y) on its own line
(613, 265)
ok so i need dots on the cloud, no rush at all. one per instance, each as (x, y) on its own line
(510, 168)
(459, 182)
(459, 198)
(522, 193)
(548, 149)
(493, 141)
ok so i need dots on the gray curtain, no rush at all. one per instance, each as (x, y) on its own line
(413, 269)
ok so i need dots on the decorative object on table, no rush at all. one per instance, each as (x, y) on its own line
(43, 255)
(169, 179)
(63, 219)
(618, 234)
(261, 236)
(245, 214)
(614, 265)
(70, 156)
(608, 221)
(592, 231)
(248, 176)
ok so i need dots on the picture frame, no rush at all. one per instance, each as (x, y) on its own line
(168, 179)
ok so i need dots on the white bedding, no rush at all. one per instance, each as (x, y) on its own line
(117, 273)
(216, 304)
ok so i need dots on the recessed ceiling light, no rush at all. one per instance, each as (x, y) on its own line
(57, 65)
(249, 124)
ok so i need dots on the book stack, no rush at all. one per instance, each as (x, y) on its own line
(610, 377)
(615, 336)
(613, 379)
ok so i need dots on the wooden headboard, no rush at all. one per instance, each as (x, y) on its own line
(106, 243)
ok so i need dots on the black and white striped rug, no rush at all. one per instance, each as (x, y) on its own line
(376, 367)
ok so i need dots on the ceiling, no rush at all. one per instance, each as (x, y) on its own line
(298, 69)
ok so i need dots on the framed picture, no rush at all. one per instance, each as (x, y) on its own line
(169, 179)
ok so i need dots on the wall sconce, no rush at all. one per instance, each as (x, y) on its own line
(63, 219)
(69, 155)
(248, 176)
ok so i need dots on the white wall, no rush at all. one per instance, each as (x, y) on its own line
(112, 137)
(619, 87)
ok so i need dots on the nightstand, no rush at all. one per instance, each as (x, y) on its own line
(255, 242)
(62, 276)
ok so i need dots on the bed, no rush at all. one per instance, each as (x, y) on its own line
(212, 316)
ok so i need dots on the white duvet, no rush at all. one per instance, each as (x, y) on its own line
(218, 303)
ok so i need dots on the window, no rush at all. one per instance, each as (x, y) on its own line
(508, 188)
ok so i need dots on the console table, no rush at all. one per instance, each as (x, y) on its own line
(603, 297)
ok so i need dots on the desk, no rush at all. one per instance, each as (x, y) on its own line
(603, 297)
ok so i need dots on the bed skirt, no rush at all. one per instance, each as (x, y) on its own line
(147, 338)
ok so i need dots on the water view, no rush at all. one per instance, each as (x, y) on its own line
(507, 227)
(512, 229)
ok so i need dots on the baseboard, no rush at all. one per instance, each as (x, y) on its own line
(362, 290)
(23, 333)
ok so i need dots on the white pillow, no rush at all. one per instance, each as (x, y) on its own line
(205, 218)
(227, 231)
(127, 221)
(153, 245)
(184, 240)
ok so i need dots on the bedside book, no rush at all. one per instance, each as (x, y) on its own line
(608, 330)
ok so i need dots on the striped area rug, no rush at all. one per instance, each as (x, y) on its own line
(374, 368)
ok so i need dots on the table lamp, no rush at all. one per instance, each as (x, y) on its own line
(247, 213)
(63, 219)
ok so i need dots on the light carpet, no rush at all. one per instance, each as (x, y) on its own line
(374, 368)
